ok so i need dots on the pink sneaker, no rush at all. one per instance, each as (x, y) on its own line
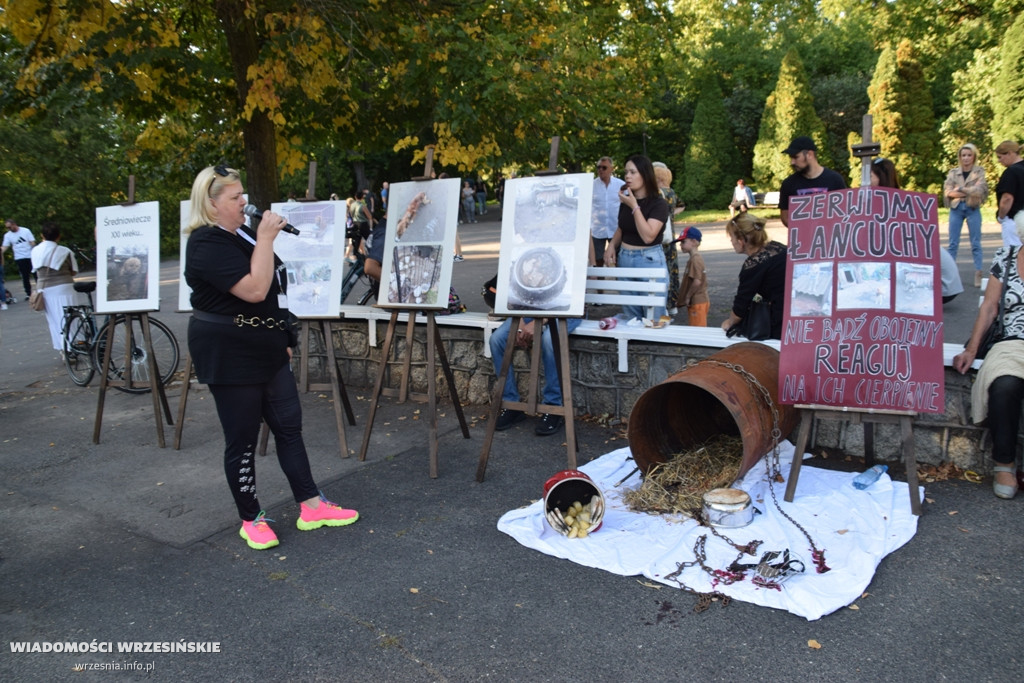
(328, 514)
(258, 533)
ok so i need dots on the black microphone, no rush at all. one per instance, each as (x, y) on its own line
(253, 212)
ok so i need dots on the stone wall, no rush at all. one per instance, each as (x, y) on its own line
(600, 390)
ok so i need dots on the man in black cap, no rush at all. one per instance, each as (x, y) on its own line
(809, 177)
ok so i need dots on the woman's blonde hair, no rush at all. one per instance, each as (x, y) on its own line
(749, 228)
(663, 174)
(209, 184)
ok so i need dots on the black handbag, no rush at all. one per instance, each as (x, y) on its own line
(995, 331)
(757, 324)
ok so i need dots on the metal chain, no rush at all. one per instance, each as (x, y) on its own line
(255, 321)
(772, 469)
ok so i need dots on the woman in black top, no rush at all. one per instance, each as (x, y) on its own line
(240, 340)
(763, 273)
(643, 214)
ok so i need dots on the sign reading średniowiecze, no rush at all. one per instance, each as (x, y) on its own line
(863, 315)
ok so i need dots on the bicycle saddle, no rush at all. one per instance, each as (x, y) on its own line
(85, 286)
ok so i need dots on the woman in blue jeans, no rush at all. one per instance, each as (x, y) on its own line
(643, 214)
(965, 190)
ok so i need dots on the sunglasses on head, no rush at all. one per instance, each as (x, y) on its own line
(220, 170)
(603, 168)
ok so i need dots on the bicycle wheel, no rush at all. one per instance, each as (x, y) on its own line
(76, 338)
(165, 349)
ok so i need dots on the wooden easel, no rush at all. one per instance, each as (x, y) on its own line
(865, 150)
(155, 385)
(810, 412)
(560, 343)
(435, 352)
(335, 384)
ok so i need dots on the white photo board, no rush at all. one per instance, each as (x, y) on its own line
(545, 237)
(184, 291)
(128, 258)
(419, 245)
(313, 258)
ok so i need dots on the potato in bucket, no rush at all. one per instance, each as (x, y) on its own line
(573, 505)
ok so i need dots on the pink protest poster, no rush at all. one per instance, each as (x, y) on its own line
(863, 315)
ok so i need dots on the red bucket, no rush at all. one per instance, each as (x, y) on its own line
(562, 491)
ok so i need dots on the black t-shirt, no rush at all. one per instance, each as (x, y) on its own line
(654, 208)
(797, 184)
(215, 261)
(764, 273)
(1012, 182)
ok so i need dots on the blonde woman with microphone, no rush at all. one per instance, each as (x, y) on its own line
(240, 338)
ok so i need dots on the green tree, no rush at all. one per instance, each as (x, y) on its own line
(711, 158)
(1008, 114)
(903, 122)
(974, 89)
(788, 113)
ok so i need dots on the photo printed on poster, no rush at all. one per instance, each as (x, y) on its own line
(419, 244)
(545, 236)
(128, 258)
(313, 258)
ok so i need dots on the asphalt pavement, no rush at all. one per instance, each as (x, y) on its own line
(126, 542)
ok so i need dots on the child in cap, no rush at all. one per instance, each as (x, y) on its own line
(693, 289)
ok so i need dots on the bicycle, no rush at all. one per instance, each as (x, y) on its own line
(84, 344)
(353, 275)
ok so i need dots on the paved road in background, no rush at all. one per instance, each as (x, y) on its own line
(127, 542)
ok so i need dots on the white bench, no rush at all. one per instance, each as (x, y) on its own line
(644, 287)
(374, 314)
(770, 199)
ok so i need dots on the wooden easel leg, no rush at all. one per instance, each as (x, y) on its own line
(332, 364)
(103, 383)
(304, 359)
(431, 389)
(451, 381)
(264, 437)
(909, 458)
(496, 401)
(410, 328)
(156, 387)
(869, 443)
(375, 399)
(184, 400)
(535, 362)
(560, 340)
(806, 419)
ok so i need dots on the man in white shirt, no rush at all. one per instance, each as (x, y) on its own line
(21, 242)
(605, 217)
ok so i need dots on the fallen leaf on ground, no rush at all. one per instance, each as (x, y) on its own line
(813, 644)
(414, 590)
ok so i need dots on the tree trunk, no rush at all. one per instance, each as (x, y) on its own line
(258, 134)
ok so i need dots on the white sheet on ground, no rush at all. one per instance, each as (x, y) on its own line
(856, 529)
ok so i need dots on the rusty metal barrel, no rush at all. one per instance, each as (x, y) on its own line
(710, 399)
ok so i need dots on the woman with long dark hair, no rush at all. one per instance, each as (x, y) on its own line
(643, 214)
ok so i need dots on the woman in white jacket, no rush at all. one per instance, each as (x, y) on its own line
(55, 267)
